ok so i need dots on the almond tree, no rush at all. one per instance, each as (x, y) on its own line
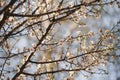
(44, 39)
